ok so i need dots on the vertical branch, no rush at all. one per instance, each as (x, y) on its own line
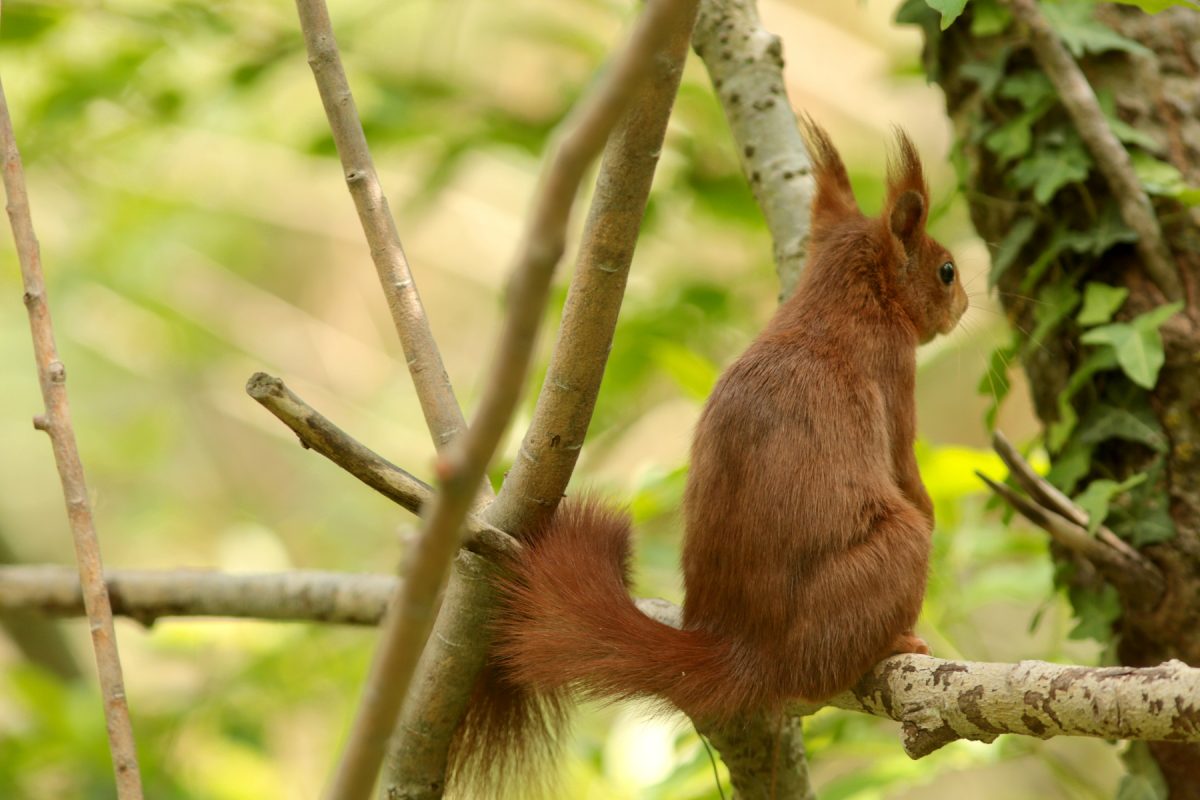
(56, 422)
(1112, 159)
(441, 409)
(551, 446)
(745, 63)
(455, 653)
(461, 468)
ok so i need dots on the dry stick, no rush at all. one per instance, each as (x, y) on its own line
(462, 466)
(1080, 101)
(436, 395)
(1049, 497)
(56, 421)
(936, 700)
(551, 446)
(455, 652)
(745, 63)
(149, 595)
(316, 432)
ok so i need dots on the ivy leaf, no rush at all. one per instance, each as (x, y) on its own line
(995, 383)
(1082, 33)
(1100, 302)
(1106, 422)
(1096, 611)
(1096, 498)
(1060, 431)
(1137, 344)
(1030, 87)
(987, 72)
(949, 9)
(1051, 168)
(989, 18)
(1016, 238)
(1057, 301)
(1159, 177)
(1071, 465)
(1123, 130)
(1010, 140)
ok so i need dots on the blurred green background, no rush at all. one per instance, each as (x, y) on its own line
(195, 228)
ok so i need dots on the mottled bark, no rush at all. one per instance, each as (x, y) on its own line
(1051, 244)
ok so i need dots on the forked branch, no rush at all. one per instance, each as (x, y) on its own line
(463, 464)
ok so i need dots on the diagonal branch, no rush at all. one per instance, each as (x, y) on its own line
(1051, 510)
(436, 395)
(462, 465)
(455, 652)
(937, 701)
(318, 433)
(1079, 99)
(56, 422)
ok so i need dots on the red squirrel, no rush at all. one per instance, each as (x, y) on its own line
(807, 527)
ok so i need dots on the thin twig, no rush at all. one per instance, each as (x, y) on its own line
(462, 466)
(1079, 99)
(317, 433)
(56, 421)
(436, 395)
(1048, 495)
(745, 63)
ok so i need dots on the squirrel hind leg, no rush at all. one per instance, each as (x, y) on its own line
(907, 642)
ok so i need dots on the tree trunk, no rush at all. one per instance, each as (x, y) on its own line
(1036, 195)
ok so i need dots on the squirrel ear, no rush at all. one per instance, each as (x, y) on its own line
(834, 198)
(907, 217)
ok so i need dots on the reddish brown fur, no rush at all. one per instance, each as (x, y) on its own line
(807, 525)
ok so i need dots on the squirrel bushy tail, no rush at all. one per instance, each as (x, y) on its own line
(566, 624)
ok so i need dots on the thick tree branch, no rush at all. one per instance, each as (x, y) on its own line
(551, 446)
(316, 432)
(745, 64)
(936, 700)
(462, 466)
(941, 701)
(1079, 99)
(436, 395)
(56, 422)
(455, 652)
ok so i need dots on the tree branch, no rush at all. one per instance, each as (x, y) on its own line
(436, 395)
(745, 64)
(56, 422)
(1049, 509)
(462, 465)
(317, 433)
(551, 446)
(456, 651)
(1079, 99)
(936, 700)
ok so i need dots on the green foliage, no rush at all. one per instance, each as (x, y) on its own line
(1096, 611)
(1051, 167)
(1099, 493)
(1137, 344)
(1154, 7)
(949, 9)
(1100, 302)
(1145, 780)
(1076, 24)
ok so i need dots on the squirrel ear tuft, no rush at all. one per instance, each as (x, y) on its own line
(907, 217)
(908, 196)
(834, 198)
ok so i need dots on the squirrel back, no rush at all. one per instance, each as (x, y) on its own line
(806, 523)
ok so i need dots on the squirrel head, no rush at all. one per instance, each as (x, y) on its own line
(901, 264)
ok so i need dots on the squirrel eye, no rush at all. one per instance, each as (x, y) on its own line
(946, 273)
